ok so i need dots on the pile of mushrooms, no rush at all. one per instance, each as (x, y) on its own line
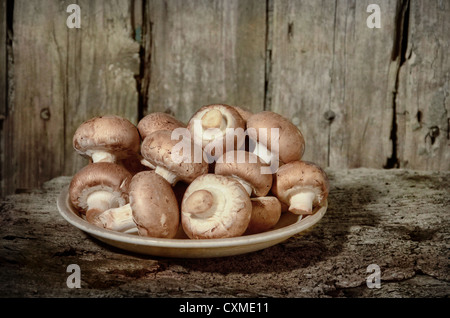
(226, 173)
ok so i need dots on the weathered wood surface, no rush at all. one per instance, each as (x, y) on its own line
(363, 97)
(62, 77)
(3, 84)
(397, 219)
(205, 52)
(423, 108)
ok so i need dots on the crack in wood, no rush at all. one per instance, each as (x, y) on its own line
(399, 56)
(268, 62)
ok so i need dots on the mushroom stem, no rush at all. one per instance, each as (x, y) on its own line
(199, 202)
(147, 163)
(101, 200)
(102, 156)
(117, 219)
(302, 202)
(171, 177)
(245, 184)
(213, 119)
(262, 152)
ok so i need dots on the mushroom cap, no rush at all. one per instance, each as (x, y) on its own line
(291, 142)
(113, 134)
(266, 212)
(103, 176)
(215, 206)
(244, 112)
(157, 121)
(297, 176)
(157, 149)
(232, 119)
(154, 205)
(247, 166)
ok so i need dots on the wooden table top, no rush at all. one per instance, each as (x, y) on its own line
(395, 220)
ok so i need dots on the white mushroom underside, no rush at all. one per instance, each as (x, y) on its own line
(221, 216)
(101, 198)
(303, 197)
(101, 156)
(209, 134)
(119, 219)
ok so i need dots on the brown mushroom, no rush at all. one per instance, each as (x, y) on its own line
(266, 212)
(246, 167)
(215, 206)
(107, 138)
(157, 121)
(217, 128)
(172, 163)
(153, 122)
(152, 209)
(244, 112)
(302, 185)
(275, 139)
(98, 187)
(154, 205)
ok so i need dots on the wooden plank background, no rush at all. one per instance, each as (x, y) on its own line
(362, 97)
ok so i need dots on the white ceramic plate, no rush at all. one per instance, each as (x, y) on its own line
(183, 247)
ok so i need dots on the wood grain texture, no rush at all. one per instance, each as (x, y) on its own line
(362, 85)
(101, 64)
(330, 75)
(423, 107)
(302, 51)
(3, 87)
(393, 218)
(35, 123)
(63, 77)
(362, 97)
(205, 52)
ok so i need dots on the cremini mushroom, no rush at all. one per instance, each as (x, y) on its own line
(266, 212)
(244, 112)
(246, 167)
(215, 206)
(152, 209)
(274, 138)
(217, 128)
(158, 121)
(98, 187)
(107, 138)
(154, 205)
(172, 163)
(302, 185)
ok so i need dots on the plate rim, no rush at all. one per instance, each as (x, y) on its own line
(271, 235)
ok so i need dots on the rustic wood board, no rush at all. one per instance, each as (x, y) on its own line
(424, 89)
(63, 77)
(101, 64)
(361, 96)
(362, 83)
(3, 86)
(330, 75)
(34, 142)
(302, 49)
(397, 219)
(204, 52)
